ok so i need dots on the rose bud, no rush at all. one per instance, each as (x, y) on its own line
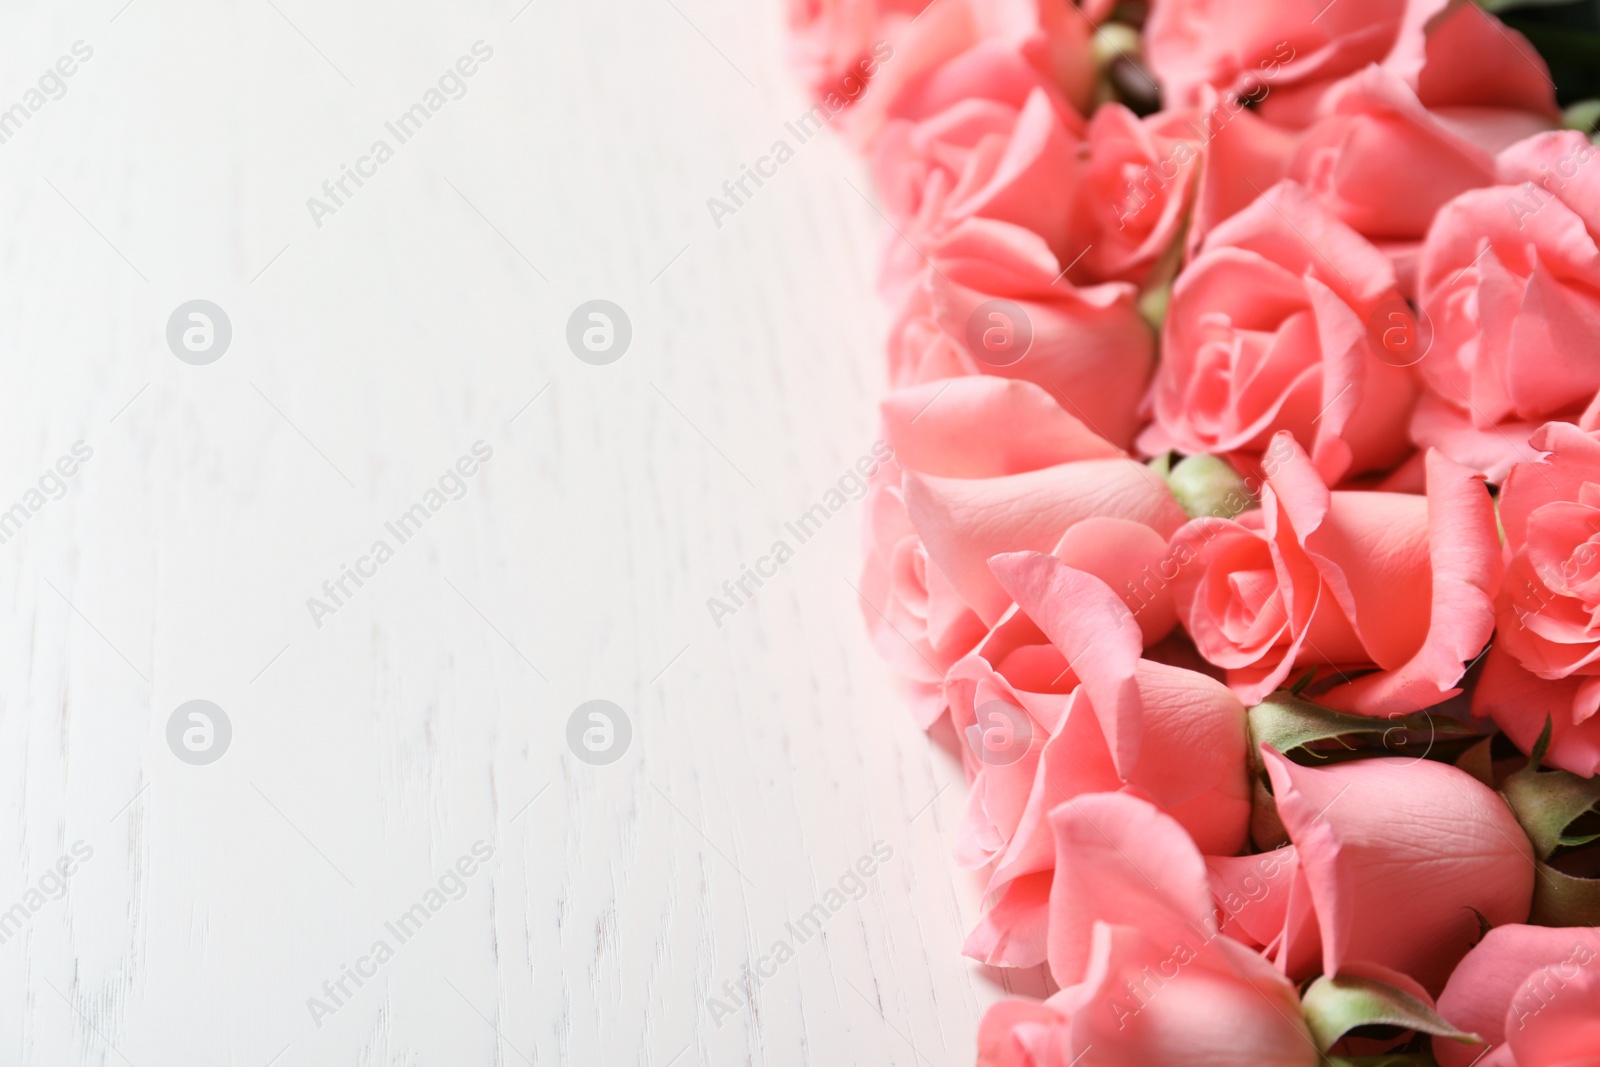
(1395, 861)
(1384, 164)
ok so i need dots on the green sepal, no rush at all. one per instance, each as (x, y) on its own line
(1478, 761)
(1335, 1006)
(1266, 825)
(1547, 803)
(1157, 295)
(1288, 722)
(1561, 899)
(1394, 1059)
(1153, 304)
(1541, 747)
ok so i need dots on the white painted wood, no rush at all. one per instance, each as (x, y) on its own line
(430, 712)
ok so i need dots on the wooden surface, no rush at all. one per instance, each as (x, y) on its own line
(429, 712)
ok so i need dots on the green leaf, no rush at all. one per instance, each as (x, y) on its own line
(1266, 825)
(1561, 899)
(1335, 1006)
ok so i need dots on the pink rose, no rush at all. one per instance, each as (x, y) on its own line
(1145, 180)
(1136, 192)
(1451, 53)
(1244, 154)
(1192, 44)
(1012, 161)
(1467, 58)
(1345, 580)
(967, 493)
(831, 42)
(1545, 664)
(1384, 164)
(1145, 978)
(1510, 280)
(1268, 331)
(863, 58)
(1233, 48)
(1391, 859)
(1061, 684)
(1532, 993)
(991, 301)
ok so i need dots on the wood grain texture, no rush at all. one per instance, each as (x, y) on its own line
(430, 711)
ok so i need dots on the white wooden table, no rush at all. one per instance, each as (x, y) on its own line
(429, 711)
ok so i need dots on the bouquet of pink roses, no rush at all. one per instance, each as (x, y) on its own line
(1244, 525)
